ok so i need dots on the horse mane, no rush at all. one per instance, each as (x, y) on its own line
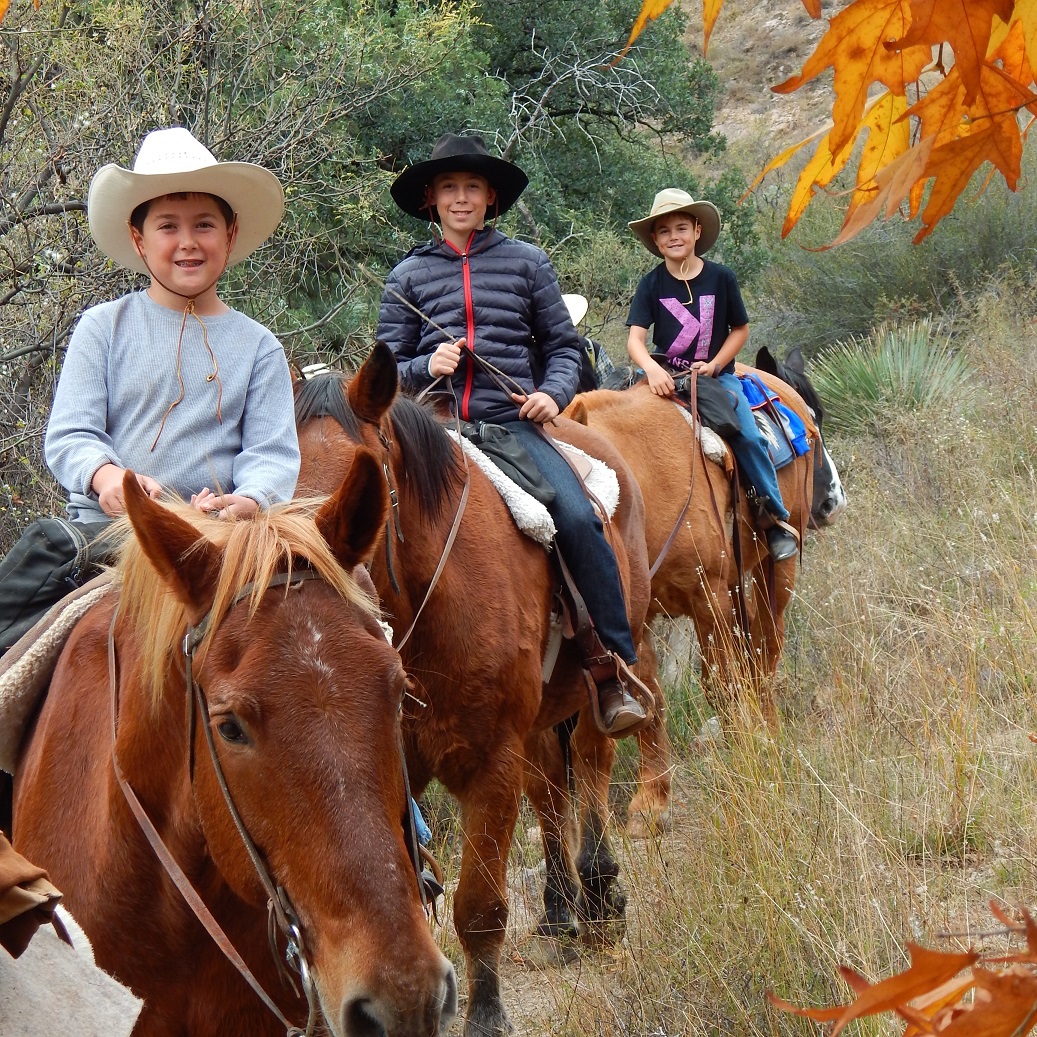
(431, 465)
(281, 538)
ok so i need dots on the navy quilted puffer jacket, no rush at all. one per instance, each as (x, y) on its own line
(502, 297)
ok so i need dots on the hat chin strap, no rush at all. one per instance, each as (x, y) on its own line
(189, 311)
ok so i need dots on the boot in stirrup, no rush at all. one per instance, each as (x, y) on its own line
(618, 710)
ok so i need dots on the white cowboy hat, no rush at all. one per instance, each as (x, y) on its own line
(577, 306)
(171, 161)
(673, 199)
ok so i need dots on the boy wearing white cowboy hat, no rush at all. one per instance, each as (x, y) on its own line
(700, 324)
(474, 294)
(193, 396)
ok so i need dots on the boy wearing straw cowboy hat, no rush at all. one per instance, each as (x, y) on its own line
(473, 295)
(700, 324)
(169, 381)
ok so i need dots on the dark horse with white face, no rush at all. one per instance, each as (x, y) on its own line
(297, 696)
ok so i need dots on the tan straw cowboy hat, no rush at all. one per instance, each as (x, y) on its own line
(172, 161)
(673, 199)
(457, 154)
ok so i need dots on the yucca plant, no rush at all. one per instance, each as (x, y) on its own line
(894, 370)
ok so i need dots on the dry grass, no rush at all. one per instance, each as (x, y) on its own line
(899, 795)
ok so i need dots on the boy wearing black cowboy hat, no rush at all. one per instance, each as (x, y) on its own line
(700, 324)
(473, 294)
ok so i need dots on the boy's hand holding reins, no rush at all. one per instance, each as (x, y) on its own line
(659, 380)
(224, 505)
(445, 359)
(537, 407)
(107, 484)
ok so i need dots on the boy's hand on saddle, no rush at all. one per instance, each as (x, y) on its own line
(107, 484)
(537, 406)
(224, 505)
(446, 358)
(659, 380)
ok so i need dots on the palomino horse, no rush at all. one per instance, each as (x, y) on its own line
(297, 695)
(698, 576)
(473, 641)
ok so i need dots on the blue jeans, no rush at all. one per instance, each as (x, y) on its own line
(581, 540)
(750, 450)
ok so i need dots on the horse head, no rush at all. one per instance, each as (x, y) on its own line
(301, 692)
(829, 500)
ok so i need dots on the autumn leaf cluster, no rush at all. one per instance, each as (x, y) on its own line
(946, 993)
(935, 89)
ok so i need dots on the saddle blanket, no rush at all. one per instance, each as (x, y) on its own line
(785, 442)
(530, 515)
(26, 669)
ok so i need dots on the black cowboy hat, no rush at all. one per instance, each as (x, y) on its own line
(457, 154)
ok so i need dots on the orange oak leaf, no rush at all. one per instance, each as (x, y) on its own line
(929, 969)
(964, 24)
(780, 160)
(822, 168)
(923, 1012)
(813, 8)
(951, 166)
(710, 10)
(650, 10)
(889, 136)
(1025, 14)
(1009, 1007)
(4, 4)
(1008, 45)
(854, 46)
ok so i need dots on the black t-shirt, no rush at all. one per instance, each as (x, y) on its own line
(688, 329)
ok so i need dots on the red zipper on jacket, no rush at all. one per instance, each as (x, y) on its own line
(470, 322)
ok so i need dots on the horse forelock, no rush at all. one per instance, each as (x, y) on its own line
(282, 538)
(324, 396)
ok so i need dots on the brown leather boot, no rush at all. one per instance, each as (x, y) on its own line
(617, 708)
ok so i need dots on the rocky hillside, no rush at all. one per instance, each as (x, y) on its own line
(755, 46)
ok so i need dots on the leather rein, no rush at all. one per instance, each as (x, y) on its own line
(281, 915)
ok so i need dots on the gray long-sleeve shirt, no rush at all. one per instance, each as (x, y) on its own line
(119, 379)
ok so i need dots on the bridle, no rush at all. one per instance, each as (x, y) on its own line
(281, 915)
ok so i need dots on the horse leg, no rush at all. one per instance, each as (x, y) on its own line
(649, 808)
(547, 786)
(490, 809)
(772, 590)
(720, 647)
(604, 901)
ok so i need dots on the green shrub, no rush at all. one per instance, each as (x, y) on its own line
(866, 381)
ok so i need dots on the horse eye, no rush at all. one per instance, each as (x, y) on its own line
(230, 731)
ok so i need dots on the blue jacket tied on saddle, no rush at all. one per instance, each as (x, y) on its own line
(786, 443)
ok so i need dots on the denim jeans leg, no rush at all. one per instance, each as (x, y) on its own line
(581, 540)
(750, 450)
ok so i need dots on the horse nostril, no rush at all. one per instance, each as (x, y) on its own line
(449, 1003)
(360, 1022)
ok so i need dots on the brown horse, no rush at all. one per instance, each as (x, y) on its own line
(480, 708)
(698, 576)
(300, 691)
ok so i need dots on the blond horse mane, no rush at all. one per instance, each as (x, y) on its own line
(283, 537)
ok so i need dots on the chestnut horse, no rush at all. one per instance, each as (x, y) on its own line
(298, 695)
(480, 710)
(698, 576)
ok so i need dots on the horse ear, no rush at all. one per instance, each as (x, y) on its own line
(374, 387)
(184, 560)
(577, 411)
(765, 361)
(795, 362)
(352, 518)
